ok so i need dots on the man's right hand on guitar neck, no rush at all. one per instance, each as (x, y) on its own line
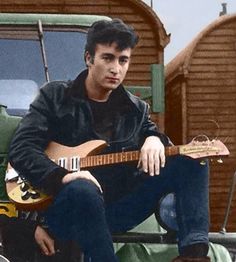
(81, 174)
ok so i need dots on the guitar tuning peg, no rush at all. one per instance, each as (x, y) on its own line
(220, 161)
(203, 163)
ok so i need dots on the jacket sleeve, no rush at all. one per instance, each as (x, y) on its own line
(149, 128)
(26, 153)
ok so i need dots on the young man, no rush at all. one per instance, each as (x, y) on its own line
(90, 204)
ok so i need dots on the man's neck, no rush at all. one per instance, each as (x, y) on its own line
(96, 94)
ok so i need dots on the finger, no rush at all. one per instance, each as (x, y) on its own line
(162, 157)
(139, 165)
(49, 243)
(157, 163)
(144, 161)
(151, 164)
(44, 248)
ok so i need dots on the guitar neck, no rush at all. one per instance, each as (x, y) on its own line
(121, 157)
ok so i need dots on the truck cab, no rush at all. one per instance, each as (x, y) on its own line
(37, 48)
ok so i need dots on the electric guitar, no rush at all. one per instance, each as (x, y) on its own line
(87, 155)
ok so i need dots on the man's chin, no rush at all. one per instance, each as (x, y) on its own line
(111, 87)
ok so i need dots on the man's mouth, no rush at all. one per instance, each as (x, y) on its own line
(113, 79)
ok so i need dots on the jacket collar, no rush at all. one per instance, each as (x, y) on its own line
(119, 96)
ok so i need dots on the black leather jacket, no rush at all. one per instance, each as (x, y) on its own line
(61, 113)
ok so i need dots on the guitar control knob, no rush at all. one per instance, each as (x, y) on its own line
(24, 187)
(34, 194)
(25, 195)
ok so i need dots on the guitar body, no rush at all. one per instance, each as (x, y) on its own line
(15, 195)
(53, 151)
(93, 147)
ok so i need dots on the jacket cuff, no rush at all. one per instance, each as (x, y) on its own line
(164, 139)
(52, 184)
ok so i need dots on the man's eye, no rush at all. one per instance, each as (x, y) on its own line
(123, 61)
(107, 58)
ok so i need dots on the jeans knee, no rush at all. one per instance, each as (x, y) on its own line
(82, 191)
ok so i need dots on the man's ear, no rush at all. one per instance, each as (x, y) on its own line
(88, 58)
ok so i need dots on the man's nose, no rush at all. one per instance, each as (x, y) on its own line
(115, 67)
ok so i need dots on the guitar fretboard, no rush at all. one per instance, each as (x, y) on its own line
(76, 163)
(108, 159)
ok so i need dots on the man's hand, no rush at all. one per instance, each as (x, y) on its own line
(152, 156)
(81, 174)
(44, 241)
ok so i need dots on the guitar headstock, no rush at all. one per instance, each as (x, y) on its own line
(200, 149)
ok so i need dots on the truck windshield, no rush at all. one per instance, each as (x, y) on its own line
(65, 54)
(21, 58)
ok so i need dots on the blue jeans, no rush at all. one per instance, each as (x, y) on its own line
(80, 214)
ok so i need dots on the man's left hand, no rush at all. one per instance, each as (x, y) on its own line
(44, 241)
(152, 156)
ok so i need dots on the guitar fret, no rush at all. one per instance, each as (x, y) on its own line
(87, 162)
(90, 161)
(105, 159)
(117, 157)
(111, 159)
(100, 160)
(82, 162)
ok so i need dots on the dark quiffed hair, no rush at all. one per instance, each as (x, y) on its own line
(107, 32)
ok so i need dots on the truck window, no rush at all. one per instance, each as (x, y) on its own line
(21, 59)
(65, 54)
(17, 94)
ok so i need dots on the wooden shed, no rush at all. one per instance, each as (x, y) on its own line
(153, 37)
(201, 99)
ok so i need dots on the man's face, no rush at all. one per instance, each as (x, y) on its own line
(108, 67)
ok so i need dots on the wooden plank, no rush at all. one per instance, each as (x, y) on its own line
(222, 32)
(220, 104)
(212, 96)
(211, 125)
(216, 46)
(142, 76)
(219, 119)
(223, 88)
(212, 68)
(218, 39)
(215, 54)
(211, 75)
(212, 82)
(151, 43)
(145, 51)
(140, 60)
(223, 133)
(213, 61)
